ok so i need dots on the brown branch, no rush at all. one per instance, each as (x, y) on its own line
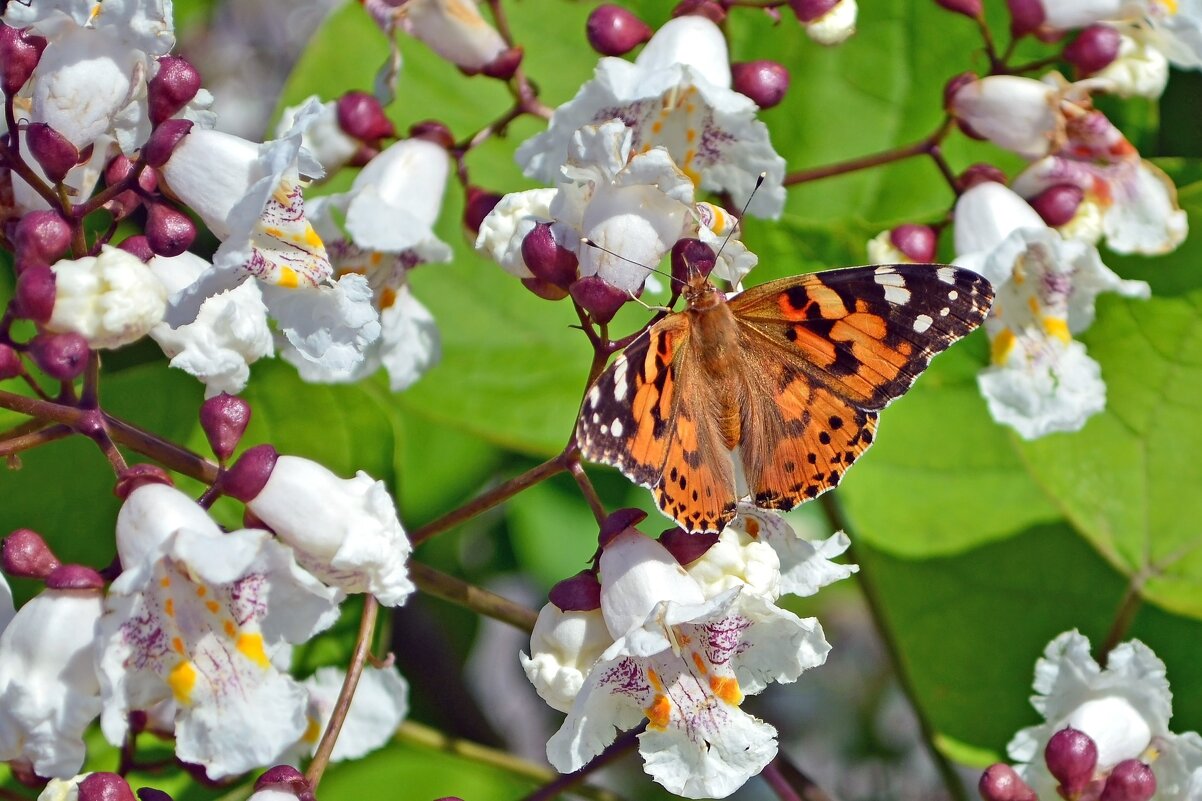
(440, 585)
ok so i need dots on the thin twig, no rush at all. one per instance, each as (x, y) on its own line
(440, 585)
(1123, 617)
(27, 442)
(790, 782)
(587, 490)
(922, 147)
(625, 743)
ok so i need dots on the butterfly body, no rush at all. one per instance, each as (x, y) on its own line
(772, 393)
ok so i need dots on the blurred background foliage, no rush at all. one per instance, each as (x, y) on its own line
(976, 548)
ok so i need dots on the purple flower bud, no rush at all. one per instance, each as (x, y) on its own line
(955, 84)
(479, 203)
(686, 547)
(691, 257)
(978, 174)
(20, 52)
(360, 116)
(126, 203)
(916, 241)
(614, 31)
(969, 8)
(169, 232)
(51, 150)
(618, 522)
(138, 246)
(104, 787)
(763, 81)
(433, 131)
(76, 577)
(26, 554)
(1025, 16)
(505, 65)
(1058, 204)
(176, 82)
(42, 237)
(10, 362)
(810, 10)
(224, 419)
(545, 289)
(34, 297)
(1131, 780)
(1000, 783)
(712, 11)
(547, 259)
(599, 299)
(1071, 756)
(1094, 49)
(580, 593)
(285, 778)
(151, 794)
(136, 475)
(245, 480)
(163, 141)
(61, 356)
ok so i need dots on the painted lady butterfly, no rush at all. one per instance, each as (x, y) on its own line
(774, 392)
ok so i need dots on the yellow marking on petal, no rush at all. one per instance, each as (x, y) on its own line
(1058, 328)
(682, 639)
(653, 677)
(727, 688)
(690, 135)
(1003, 343)
(181, 680)
(165, 581)
(312, 730)
(657, 127)
(375, 258)
(692, 174)
(202, 591)
(700, 663)
(311, 238)
(659, 713)
(387, 298)
(213, 606)
(288, 278)
(230, 628)
(690, 108)
(251, 646)
(177, 645)
(1033, 305)
(1169, 6)
(273, 232)
(752, 527)
(689, 155)
(169, 607)
(1019, 277)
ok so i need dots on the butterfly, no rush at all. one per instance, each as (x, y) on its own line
(772, 393)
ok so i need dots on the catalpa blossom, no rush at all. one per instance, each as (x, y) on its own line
(249, 195)
(683, 663)
(386, 230)
(1172, 26)
(1124, 708)
(675, 95)
(204, 618)
(1040, 379)
(111, 300)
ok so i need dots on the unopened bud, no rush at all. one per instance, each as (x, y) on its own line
(765, 82)
(360, 116)
(61, 356)
(479, 203)
(969, 8)
(691, 257)
(163, 141)
(53, 152)
(580, 593)
(285, 779)
(955, 84)
(1131, 780)
(77, 577)
(433, 131)
(614, 31)
(10, 362)
(916, 241)
(224, 419)
(1094, 49)
(125, 203)
(1071, 756)
(26, 554)
(619, 521)
(1025, 16)
(810, 10)
(20, 52)
(545, 289)
(42, 237)
(35, 294)
(547, 259)
(686, 547)
(1000, 783)
(712, 11)
(176, 82)
(1058, 204)
(505, 65)
(138, 246)
(599, 299)
(246, 479)
(979, 173)
(169, 232)
(136, 475)
(104, 787)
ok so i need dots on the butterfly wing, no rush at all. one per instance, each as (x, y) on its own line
(645, 417)
(836, 347)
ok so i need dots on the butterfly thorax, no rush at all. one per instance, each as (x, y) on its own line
(716, 332)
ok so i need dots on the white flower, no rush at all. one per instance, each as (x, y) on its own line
(737, 559)
(249, 195)
(344, 531)
(380, 704)
(454, 29)
(805, 565)
(683, 663)
(389, 212)
(49, 691)
(1139, 69)
(835, 26)
(504, 228)
(719, 229)
(63, 789)
(1018, 114)
(1124, 707)
(1070, 14)
(6, 603)
(675, 95)
(228, 335)
(1174, 27)
(111, 300)
(323, 137)
(202, 617)
(564, 646)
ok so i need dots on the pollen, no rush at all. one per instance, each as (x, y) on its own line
(727, 688)
(251, 646)
(659, 713)
(1002, 344)
(181, 680)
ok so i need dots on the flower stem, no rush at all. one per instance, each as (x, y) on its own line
(367, 628)
(922, 147)
(625, 743)
(947, 772)
(13, 443)
(790, 783)
(587, 489)
(440, 585)
(1123, 617)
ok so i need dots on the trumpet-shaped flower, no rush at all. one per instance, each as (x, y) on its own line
(111, 300)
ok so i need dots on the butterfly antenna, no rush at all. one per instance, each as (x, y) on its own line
(758, 183)
(603, 249)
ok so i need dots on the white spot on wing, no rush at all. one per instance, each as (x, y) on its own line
(594, 395)
(895, 287)
(953, 295)
(946, 274)
(620, 386)
(897, 295)
(885, 269)
(922, 322)
(596, 418)
(604, 429)
(944, 311)
(616, 427)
